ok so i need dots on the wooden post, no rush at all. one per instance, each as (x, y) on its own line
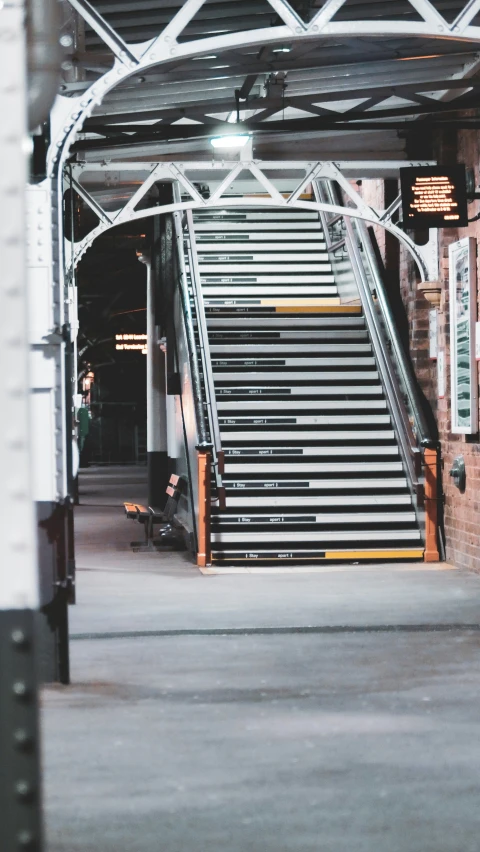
(430, 460)
(204, 463)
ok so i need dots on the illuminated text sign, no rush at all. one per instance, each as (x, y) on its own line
(131, 342)
(434, 197)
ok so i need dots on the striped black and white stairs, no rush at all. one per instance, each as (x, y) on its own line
(312, 467)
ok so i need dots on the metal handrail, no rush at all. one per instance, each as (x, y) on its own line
(403, 364)
(405, 434)
(202, 434)
(406, 438)
(210, 396)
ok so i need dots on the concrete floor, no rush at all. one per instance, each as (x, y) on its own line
(330, 711)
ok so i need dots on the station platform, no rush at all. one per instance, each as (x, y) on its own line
(334, 708)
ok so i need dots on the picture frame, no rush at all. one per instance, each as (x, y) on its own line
(463, 317)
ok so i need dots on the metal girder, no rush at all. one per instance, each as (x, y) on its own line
(48, 315)
(226, 173)
(70, 113)
(18, 566)
(274, 103)
(20, 787)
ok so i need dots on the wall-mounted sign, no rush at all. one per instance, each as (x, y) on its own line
(463, 316)
(434, 197)
(433, 333)
(131, 342)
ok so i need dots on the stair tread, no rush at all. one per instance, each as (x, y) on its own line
(320, 500)
(300, 405)
(309, 467)
(259, 251)
(262, 289)
(253, 226)
(252, 434)
(339, 535)
(305, 376)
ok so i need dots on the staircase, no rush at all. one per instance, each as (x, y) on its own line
(312, 466)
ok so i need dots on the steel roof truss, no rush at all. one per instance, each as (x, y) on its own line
(426, 257)
(111, 38)
(97, 209)
(466, 16)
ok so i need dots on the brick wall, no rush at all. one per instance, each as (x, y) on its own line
(461, 511)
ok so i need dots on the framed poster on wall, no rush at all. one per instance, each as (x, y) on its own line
(463, 316)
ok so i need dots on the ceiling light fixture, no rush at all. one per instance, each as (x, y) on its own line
(231, 141)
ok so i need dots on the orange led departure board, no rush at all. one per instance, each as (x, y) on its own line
(434, 197)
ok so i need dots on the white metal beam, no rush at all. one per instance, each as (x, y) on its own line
(18, 563)
(229, 172)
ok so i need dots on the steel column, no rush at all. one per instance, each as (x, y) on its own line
(51, 437)
(157, 455)
(20, 806)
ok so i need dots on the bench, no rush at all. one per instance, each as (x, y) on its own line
(150, 516)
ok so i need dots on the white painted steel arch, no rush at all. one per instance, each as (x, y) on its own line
(229, 172)
(69, 114)
(415, 251)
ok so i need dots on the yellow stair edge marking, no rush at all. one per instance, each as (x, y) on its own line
(319, 309)
(374, 554)
(334, 300)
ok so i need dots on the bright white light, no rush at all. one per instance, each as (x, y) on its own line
(233, 141)
(232, 118)
(282, 49)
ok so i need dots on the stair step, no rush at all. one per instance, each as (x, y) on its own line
(264, 363)
(268, 349)
(289, 500)
(324, 518)
(239, 235)
(313, 555)
(309, 468)
(283, 251)
(306, 376)
(307, 420)
(299, 390)
(313, 535)
(317, 484)
(305, 324)
(328, 309)
(267, 268)
(294, 227)
(326, 450)
(252, 214)
(307, 304)
(300, 405)
(314, 289)
(294, 338)
(352, 436)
